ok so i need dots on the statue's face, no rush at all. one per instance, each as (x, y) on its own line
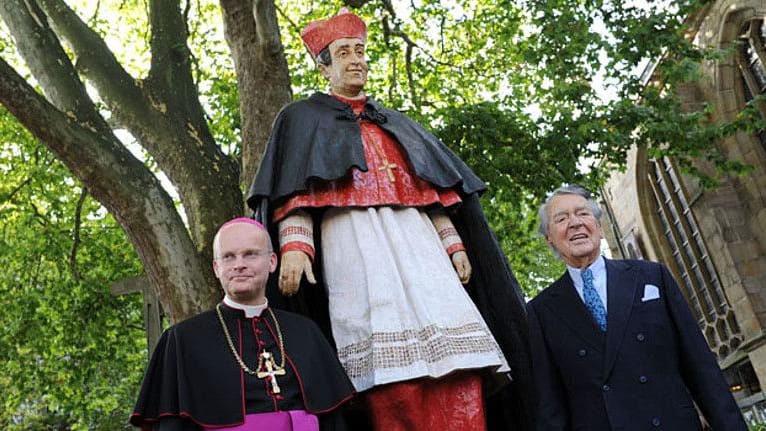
(348, 72)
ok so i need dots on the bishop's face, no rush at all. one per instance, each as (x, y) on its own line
(347, 74)
(244, 261)
(573, 230)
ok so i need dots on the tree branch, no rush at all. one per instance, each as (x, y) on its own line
(119, 90)
(266, 27)
(206, 178)
(391, 29)
(117, 87)
(164, 114)
(76, 235)
(292, 25)
(16, 189)
(48, 62)
(389, 7)
(410, 79)
(170, 79)
(126, 188)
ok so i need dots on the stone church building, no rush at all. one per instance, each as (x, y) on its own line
(714, 241)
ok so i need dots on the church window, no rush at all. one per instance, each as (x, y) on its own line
(751, 61)
(694, 269)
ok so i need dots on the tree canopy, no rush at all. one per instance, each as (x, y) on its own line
(131, 129)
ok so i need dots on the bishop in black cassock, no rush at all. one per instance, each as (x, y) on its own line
(265, 367)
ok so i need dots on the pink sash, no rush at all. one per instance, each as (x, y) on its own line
(292, 420)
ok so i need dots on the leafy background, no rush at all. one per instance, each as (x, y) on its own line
(531, 94)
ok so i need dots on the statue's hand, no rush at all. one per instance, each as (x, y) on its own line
(294, 264)
(462, 266)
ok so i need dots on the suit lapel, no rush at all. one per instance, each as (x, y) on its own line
(622, 283)
(566, 304)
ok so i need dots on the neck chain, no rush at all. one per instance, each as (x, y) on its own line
(263, 356)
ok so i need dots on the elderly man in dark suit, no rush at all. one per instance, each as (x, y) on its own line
(614, 345)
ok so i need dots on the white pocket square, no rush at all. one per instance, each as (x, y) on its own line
(650, 292)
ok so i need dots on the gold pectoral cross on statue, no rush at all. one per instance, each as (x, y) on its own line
(390, 168)
(268, 368)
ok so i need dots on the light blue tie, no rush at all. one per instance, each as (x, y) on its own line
(592, 300)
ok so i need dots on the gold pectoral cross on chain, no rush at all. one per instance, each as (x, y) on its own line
(268, 368)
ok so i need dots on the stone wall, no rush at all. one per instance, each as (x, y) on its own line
(731, 218)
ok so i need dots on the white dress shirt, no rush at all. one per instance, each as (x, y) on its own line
(598, 267)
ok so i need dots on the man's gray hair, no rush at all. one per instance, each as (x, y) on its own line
(571, 189)
(324, 57)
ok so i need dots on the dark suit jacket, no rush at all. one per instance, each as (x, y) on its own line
(644, 373)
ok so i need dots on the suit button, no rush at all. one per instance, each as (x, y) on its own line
(643, 379)
(581, 353)
(606, 388)
(656, 422)
(640, 337)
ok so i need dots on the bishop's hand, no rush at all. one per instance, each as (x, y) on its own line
(295, 263)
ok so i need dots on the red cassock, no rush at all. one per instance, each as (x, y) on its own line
(388, 181)
(359, 161)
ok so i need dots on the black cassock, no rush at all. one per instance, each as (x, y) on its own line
(193, 378)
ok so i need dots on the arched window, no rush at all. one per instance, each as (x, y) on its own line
(751, 60)
(699, 280)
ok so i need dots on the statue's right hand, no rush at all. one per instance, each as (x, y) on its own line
(294, 264)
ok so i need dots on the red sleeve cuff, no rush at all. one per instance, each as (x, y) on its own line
(454, 248)
(300, 246)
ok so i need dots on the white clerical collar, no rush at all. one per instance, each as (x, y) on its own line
(250, 310)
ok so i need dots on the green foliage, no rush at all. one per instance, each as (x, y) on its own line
(514, 222)
(72, 353)
(536, 94)
(632, 42)
(495, 143)
(530, 94)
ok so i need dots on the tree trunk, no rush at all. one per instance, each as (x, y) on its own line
(164, 115)
(263, 79)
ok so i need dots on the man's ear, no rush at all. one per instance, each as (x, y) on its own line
(273, 262)
(324, 70)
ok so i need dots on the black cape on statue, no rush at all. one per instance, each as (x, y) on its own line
(194, 376)
(320, 139)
